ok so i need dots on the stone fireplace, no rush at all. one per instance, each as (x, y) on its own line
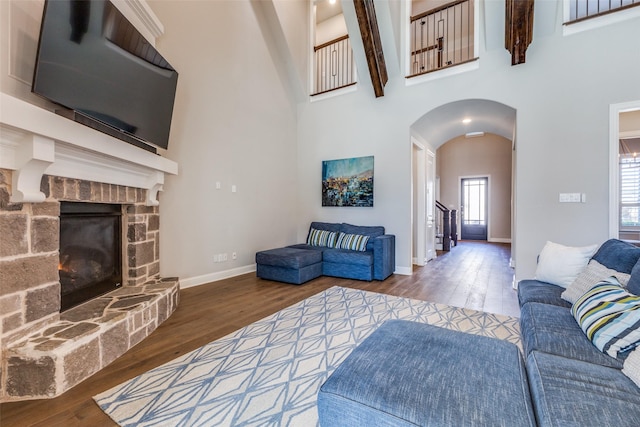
(46, 352)
(46, 160)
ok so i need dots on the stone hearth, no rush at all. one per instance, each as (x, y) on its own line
(87, 338)
(44, 353)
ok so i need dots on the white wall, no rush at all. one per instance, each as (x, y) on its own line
(330, 29)
(294, 17)
(562, 96)
(19, 32)
(234, 124)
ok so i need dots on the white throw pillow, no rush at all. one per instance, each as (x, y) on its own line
(560, 265)
(589, 277)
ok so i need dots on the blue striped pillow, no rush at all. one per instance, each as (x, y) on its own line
(322, 238)
(610, 317)
(354, 242)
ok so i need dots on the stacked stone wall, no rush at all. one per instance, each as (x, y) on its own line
(29, 282)
(143, 244)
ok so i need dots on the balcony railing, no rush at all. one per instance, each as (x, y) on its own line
(579, 10)
(442, 37)
(334, 65)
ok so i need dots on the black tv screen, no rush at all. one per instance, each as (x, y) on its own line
(93, 61)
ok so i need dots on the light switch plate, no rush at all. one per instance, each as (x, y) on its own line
(570, 197)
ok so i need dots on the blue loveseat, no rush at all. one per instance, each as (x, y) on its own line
(373, 259)
(408, 374)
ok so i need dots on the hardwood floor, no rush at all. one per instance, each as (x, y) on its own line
(474, 275)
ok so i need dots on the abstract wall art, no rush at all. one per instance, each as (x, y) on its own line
(348, 182)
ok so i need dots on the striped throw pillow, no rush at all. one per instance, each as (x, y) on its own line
(354, 242)
(322, 238)
(610, 317)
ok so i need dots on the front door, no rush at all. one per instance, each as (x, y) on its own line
(473, 209)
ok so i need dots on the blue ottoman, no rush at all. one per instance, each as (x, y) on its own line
(414, 374)
(289, 265)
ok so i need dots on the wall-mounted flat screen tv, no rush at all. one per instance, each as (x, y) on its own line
(93, 61)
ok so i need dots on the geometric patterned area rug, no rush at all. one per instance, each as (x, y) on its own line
(269, 373)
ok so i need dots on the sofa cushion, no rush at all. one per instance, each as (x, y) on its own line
(634, 281)
(618, 255)
(590, 276)
(288, 257)
(295, 276)
(569, 392)
(319, 249)
(414, 374)
(353, 242)
(343, 256)
(623, 257)
(560, 265)
(329, 226)
(610, 317)
(552, 329)
(348, 271)
(536, 291)
(631, 366)
(371, 231)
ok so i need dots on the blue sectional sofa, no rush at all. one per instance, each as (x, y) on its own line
(572, 382)
(332, 249)
(408, 374)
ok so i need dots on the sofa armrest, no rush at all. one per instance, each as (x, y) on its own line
(384, 256)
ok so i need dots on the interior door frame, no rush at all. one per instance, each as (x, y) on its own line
(430, 205)
(418, 176)
(459, 218)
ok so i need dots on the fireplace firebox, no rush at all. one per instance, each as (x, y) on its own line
(90, 251)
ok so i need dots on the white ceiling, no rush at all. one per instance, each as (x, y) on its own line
(326, 10)
(445, 122)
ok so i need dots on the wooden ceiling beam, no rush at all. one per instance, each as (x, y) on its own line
(518, 29)
(366, 14)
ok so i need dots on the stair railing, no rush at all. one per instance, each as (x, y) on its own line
(449, 226)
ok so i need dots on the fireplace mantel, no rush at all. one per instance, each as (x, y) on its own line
(34, 142)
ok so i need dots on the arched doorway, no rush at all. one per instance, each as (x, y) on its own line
(472, 117)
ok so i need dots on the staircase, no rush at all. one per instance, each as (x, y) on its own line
(446, 228)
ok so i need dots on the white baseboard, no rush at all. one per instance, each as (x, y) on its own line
(214, 277)
(405, 271)
(499, 240)
(190, 282)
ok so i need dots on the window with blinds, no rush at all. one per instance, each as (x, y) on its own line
(629, 192)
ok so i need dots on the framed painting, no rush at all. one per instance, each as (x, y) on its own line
(348, 182)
